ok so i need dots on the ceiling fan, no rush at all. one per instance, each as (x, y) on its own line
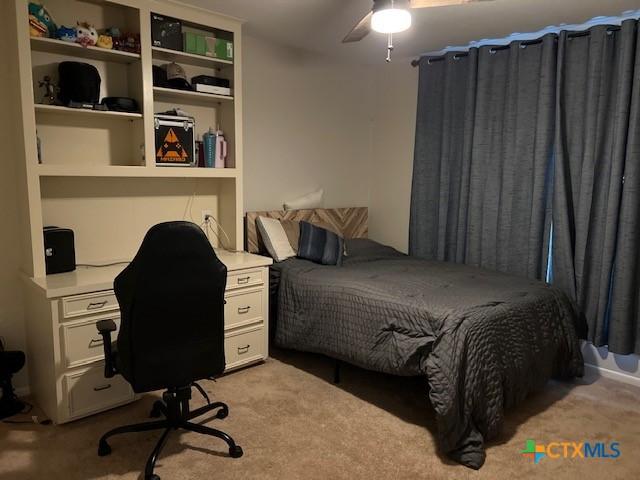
(394, 16)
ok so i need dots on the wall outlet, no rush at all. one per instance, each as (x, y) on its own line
(206, 213)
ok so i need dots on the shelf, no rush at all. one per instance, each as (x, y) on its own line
(51, 45)
(132, 171)
(169, 55)
(173, 95)
(57, 109)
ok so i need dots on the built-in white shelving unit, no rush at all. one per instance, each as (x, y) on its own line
(96, 174)
(174, 95)
(105, 160)
(51, 45)
(189, 58)
(60, 110)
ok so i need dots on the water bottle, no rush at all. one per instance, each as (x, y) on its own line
(209, 144)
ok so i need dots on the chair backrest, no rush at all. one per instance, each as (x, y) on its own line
(171, 300)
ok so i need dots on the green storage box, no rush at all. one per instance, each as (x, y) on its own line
(219, 48)
(194, 43)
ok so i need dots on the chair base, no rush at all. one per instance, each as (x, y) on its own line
(175, 408)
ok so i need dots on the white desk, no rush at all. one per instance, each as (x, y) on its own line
(65, 353)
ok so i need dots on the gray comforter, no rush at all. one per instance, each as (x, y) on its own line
(484, 339)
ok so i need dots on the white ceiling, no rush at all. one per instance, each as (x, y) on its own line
(319, 25)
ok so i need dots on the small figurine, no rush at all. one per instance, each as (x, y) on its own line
(86, 35)
(105, 41)
(49, 97)
(66, 34)
(130, 42)
(41, 23)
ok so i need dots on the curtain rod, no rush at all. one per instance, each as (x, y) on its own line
(614, 28)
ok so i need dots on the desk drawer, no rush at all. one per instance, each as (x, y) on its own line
(89, 392)
(243, 308)
(89, 303)
(244, 346)
(82, 343)
(244, 278)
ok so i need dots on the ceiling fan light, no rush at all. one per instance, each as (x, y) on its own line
(391, 20)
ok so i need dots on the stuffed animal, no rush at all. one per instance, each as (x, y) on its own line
(67, 34)
(105, 41)
(86, 35)
(41, 23)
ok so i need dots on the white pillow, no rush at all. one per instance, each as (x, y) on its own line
(310, 200)
(275, 239)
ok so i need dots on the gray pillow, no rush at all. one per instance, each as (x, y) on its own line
(320, 245)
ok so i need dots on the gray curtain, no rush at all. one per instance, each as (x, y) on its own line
(484, 137)
(596, 76)
(624, 323)
(444, 134)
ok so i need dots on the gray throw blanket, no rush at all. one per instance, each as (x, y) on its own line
(484, 339)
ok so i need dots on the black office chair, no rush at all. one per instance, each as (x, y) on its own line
(171, 334)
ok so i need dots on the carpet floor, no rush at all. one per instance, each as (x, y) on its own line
(294, 423)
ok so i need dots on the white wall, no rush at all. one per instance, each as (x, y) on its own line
(307, 124)
(394, 119)
(11, 312)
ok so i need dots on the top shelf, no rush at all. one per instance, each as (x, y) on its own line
(51, 45)
(169, 55)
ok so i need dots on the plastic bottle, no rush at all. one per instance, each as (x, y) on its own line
(209, 144)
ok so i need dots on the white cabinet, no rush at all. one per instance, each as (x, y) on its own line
(65, 351)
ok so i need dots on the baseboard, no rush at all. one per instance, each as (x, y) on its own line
(595, 371)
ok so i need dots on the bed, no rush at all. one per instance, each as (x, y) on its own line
(483, 339)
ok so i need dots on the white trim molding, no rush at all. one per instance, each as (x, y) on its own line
(599, 362)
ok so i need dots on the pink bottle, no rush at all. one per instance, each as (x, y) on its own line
(221, 149)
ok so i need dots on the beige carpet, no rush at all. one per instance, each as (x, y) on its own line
(293, 423)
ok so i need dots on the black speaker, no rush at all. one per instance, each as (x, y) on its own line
(79, 82)
(59, 250)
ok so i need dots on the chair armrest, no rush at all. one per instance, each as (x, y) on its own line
(105, 327)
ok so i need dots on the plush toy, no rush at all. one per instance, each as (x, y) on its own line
(41, 23)
(105, 41)
(86, 35)
(67, 34)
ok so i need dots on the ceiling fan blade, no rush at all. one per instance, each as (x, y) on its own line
(440, 3)
(361, 30)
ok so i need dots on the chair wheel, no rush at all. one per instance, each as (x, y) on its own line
(222, 413)
(103, 449)
(236, 451)
(155, 413)
(153, 476)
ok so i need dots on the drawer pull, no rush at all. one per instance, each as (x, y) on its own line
(96, 305)
(242, 310)
(242, 350)
(243, 280)
(102, 387)
(95, 342)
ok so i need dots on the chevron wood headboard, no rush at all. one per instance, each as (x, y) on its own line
(352, 222)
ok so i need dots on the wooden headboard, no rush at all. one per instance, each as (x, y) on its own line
(352, 222)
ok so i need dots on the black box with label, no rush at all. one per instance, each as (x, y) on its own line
(166, 32)
(175, 141)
